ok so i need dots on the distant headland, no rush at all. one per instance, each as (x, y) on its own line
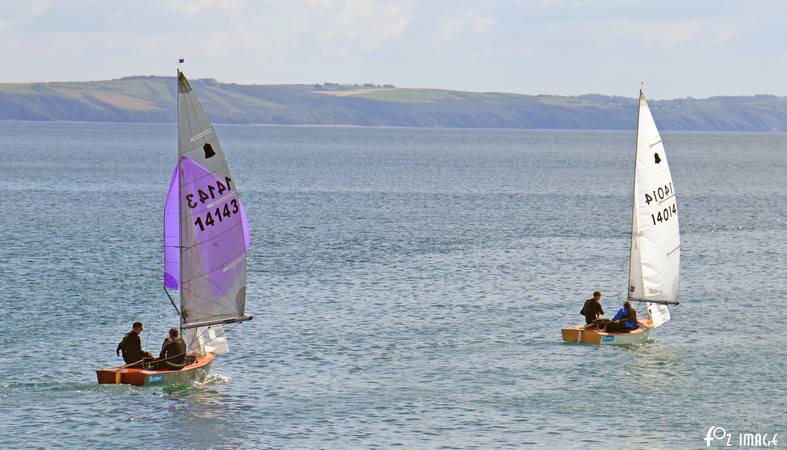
(152, 99)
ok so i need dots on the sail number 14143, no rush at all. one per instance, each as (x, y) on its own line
(218, 215)
(221, 212)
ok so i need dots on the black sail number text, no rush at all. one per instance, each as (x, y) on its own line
(661, 193)
(215, 216)
(664, 214)
(210, 192)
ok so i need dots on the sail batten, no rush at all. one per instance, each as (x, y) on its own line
(655, 238)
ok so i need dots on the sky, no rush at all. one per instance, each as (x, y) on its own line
(679, 48)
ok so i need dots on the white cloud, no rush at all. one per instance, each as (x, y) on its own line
(483, 24)
(365, 23)
(339, 53)
(451, 28)
(666, 35)
(191, 7)
(39, 7)
(526, 46)
(579, 3)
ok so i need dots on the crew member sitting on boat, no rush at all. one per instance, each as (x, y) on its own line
(625, 320)
(173, 352)
(592, 308)
(131, 346)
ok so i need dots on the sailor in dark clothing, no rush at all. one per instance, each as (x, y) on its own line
(131, 346)
(173, 352)
(592, 308)
(624, 321)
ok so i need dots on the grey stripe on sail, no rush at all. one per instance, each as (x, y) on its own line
(666, 198)
(222, 200)
(656, 143)
(201, 134)
(234, 263)
(673, 250)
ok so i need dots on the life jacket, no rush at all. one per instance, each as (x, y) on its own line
(629, 317)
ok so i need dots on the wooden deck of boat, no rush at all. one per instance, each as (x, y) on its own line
(582, 335)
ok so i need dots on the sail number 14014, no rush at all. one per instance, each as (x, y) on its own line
(661, 194)
(665, 214)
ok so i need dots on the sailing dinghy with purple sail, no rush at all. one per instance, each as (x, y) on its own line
(206, 241)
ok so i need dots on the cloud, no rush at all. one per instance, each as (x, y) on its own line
(40, 7)
(579, 3)
(191, 7)
(483, 24)
(451, 28)
(667, 35)
(339, 53)
(516, 45)
(365, 24)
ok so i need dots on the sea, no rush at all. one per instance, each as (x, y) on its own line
(408, 288)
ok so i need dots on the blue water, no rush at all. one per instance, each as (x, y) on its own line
(408, 287)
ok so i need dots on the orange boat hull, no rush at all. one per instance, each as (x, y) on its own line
(141, 377)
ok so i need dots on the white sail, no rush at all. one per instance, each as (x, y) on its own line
(212, 234)
(206, 340)
(655, 240)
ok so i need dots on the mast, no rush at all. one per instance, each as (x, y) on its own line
(633, 194)
(180, 201)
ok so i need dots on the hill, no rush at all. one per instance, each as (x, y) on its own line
(152, 99)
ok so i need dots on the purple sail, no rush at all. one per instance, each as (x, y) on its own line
(172, 232)
(213, 235)
(172, 235)
(214, 244)
(246, 237)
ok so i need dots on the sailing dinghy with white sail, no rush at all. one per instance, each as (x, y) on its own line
(655, 240)
(206, 241)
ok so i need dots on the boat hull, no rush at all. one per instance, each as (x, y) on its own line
(197, 371)
(581, 335)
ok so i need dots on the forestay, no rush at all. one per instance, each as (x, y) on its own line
(655, 240)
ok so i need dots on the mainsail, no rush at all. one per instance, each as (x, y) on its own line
(655, 239)
(205, 230)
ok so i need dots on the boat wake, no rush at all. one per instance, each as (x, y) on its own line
(212, 379)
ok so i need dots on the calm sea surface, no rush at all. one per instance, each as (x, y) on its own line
(408, 288)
